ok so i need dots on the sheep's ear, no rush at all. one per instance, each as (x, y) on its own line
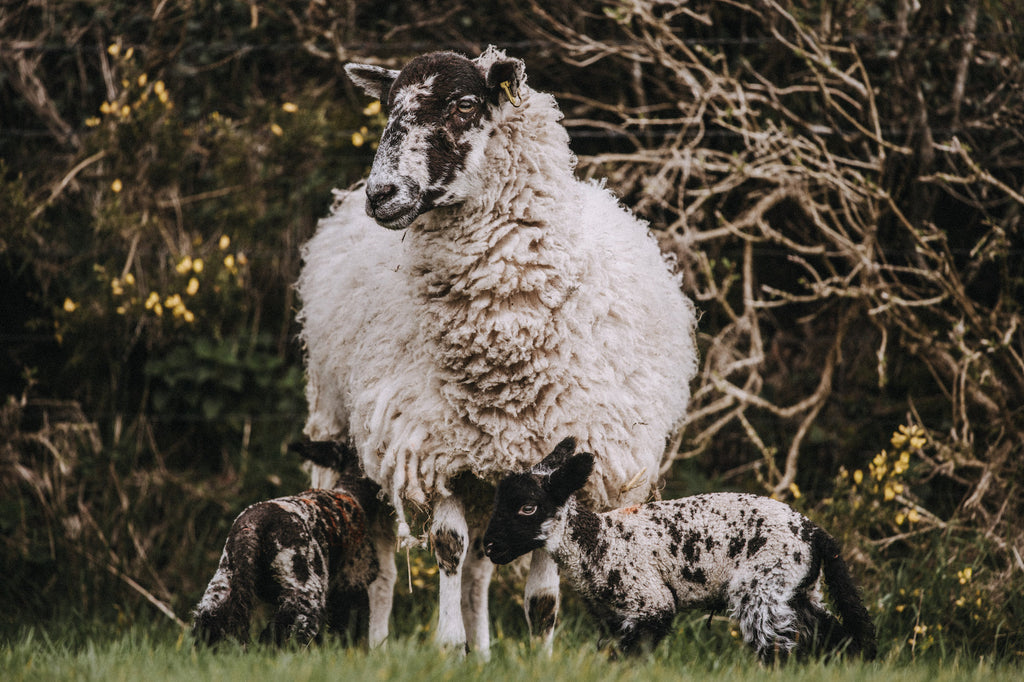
(504, 78)
(375, 81)
(570, 477)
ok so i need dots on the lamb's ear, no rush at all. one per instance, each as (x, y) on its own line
(558, 456)
(375, 81)
(329, 454)
(570, 477)
(504, 78)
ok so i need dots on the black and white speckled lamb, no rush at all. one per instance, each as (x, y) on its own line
(637, 567)
(308, 555)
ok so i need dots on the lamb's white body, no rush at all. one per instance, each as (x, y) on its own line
(533, 306)
(752, 556)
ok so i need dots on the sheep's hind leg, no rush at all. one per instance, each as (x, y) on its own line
(449, 536)
(476, 581)
(541, 599)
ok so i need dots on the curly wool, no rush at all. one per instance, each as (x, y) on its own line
(478, 337)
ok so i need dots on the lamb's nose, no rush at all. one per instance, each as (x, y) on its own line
(489, 548)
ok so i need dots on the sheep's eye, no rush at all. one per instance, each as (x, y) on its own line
(528, 510)
(466, 106)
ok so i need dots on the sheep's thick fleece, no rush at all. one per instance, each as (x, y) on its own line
(478, 336)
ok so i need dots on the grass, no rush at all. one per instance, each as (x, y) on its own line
(695, 651)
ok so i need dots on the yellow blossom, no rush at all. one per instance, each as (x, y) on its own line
(116, 186)
(129, 279)
(290, 107)
(69, 305)
(795, 490)
(197, 265)
(126, 111)
(152, 300)
(193, 287)
(358, 139)
(965, 575)
(913, 516)
(900, 607)
(920, 629)
(115, 287)
(121, 310)
(372, 109)
(229, 262)
(142, 80)
(240, 257)
(113, 49)
(888, 493)
(858, 476)
(960, 602)
(276, 129)
(224, 243)
(129, 52)
(184, 265)
(189, 317)
(92, 121)
(106, 108)
(159, 88)
(173, 301)
(900, 518)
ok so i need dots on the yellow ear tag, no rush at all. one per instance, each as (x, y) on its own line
(512, 97)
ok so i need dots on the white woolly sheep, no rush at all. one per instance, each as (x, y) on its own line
(518, 303)
(638, 566)
(308, 555)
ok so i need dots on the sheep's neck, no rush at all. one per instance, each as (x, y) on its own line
(492, 299)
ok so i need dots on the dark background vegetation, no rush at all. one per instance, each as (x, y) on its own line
(841, 183)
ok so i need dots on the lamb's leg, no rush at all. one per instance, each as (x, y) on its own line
(766, 621)
(541, 597)
(475, 584)
(449, 536)
(381, 590)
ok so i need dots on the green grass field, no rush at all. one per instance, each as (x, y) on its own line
(695, 651)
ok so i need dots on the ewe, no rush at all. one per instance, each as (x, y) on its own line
(638, 566)
(507, 303)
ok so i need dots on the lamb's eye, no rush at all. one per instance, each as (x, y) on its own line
(527, 510)
(466, 106)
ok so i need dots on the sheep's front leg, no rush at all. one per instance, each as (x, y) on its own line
(541, 598)
(476, 582)
(381, 590)
(449, 536)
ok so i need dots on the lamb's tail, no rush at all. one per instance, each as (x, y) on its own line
(225, 609)
(854, 616)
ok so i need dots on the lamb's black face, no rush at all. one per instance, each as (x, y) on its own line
(439, 121)
(525, 505)
(521, 506)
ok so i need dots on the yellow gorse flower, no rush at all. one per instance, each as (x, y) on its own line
(184, 265)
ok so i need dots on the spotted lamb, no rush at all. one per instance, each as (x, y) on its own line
(506, 303)
(638, 566)
(306, 554)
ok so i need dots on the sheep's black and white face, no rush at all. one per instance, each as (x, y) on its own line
(526, 505)
(440, 114)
